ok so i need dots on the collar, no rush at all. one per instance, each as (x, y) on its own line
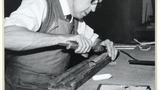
(65, 7)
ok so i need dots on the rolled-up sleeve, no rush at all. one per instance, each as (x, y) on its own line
(30, 14)
(87, 31)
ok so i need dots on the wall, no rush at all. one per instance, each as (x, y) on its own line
(117, 19)
(11, 5)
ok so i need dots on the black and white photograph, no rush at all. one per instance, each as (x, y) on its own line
(79, 45)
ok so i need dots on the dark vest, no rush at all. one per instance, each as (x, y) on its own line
(42, 64)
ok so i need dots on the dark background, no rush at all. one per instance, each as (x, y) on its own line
(120, 20)
(116, 20)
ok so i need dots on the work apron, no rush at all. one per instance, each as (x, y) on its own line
(32, 69)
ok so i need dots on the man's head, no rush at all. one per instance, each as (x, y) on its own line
(81, 8)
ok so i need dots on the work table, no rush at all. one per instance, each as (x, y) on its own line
(124, 73)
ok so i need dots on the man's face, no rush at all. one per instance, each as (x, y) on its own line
(82, 8)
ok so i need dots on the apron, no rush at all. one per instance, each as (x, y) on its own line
(32, 69)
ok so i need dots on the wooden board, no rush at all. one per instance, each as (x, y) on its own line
(79, 74)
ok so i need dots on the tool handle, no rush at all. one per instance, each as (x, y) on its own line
(74, 45)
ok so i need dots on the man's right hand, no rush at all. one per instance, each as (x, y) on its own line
(84, 44)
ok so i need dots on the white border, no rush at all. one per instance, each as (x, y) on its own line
(1, 47)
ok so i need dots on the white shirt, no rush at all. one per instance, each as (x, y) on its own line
(31, 13)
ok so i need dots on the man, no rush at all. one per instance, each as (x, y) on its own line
(32, 31)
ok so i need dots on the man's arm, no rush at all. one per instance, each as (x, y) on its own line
(88, 32)
(20, 38)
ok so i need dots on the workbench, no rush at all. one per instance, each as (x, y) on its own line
(124, 73)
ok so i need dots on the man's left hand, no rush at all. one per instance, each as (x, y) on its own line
(112, 51)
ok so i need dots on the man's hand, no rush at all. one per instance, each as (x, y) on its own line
(84, 44)
(112, 51)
